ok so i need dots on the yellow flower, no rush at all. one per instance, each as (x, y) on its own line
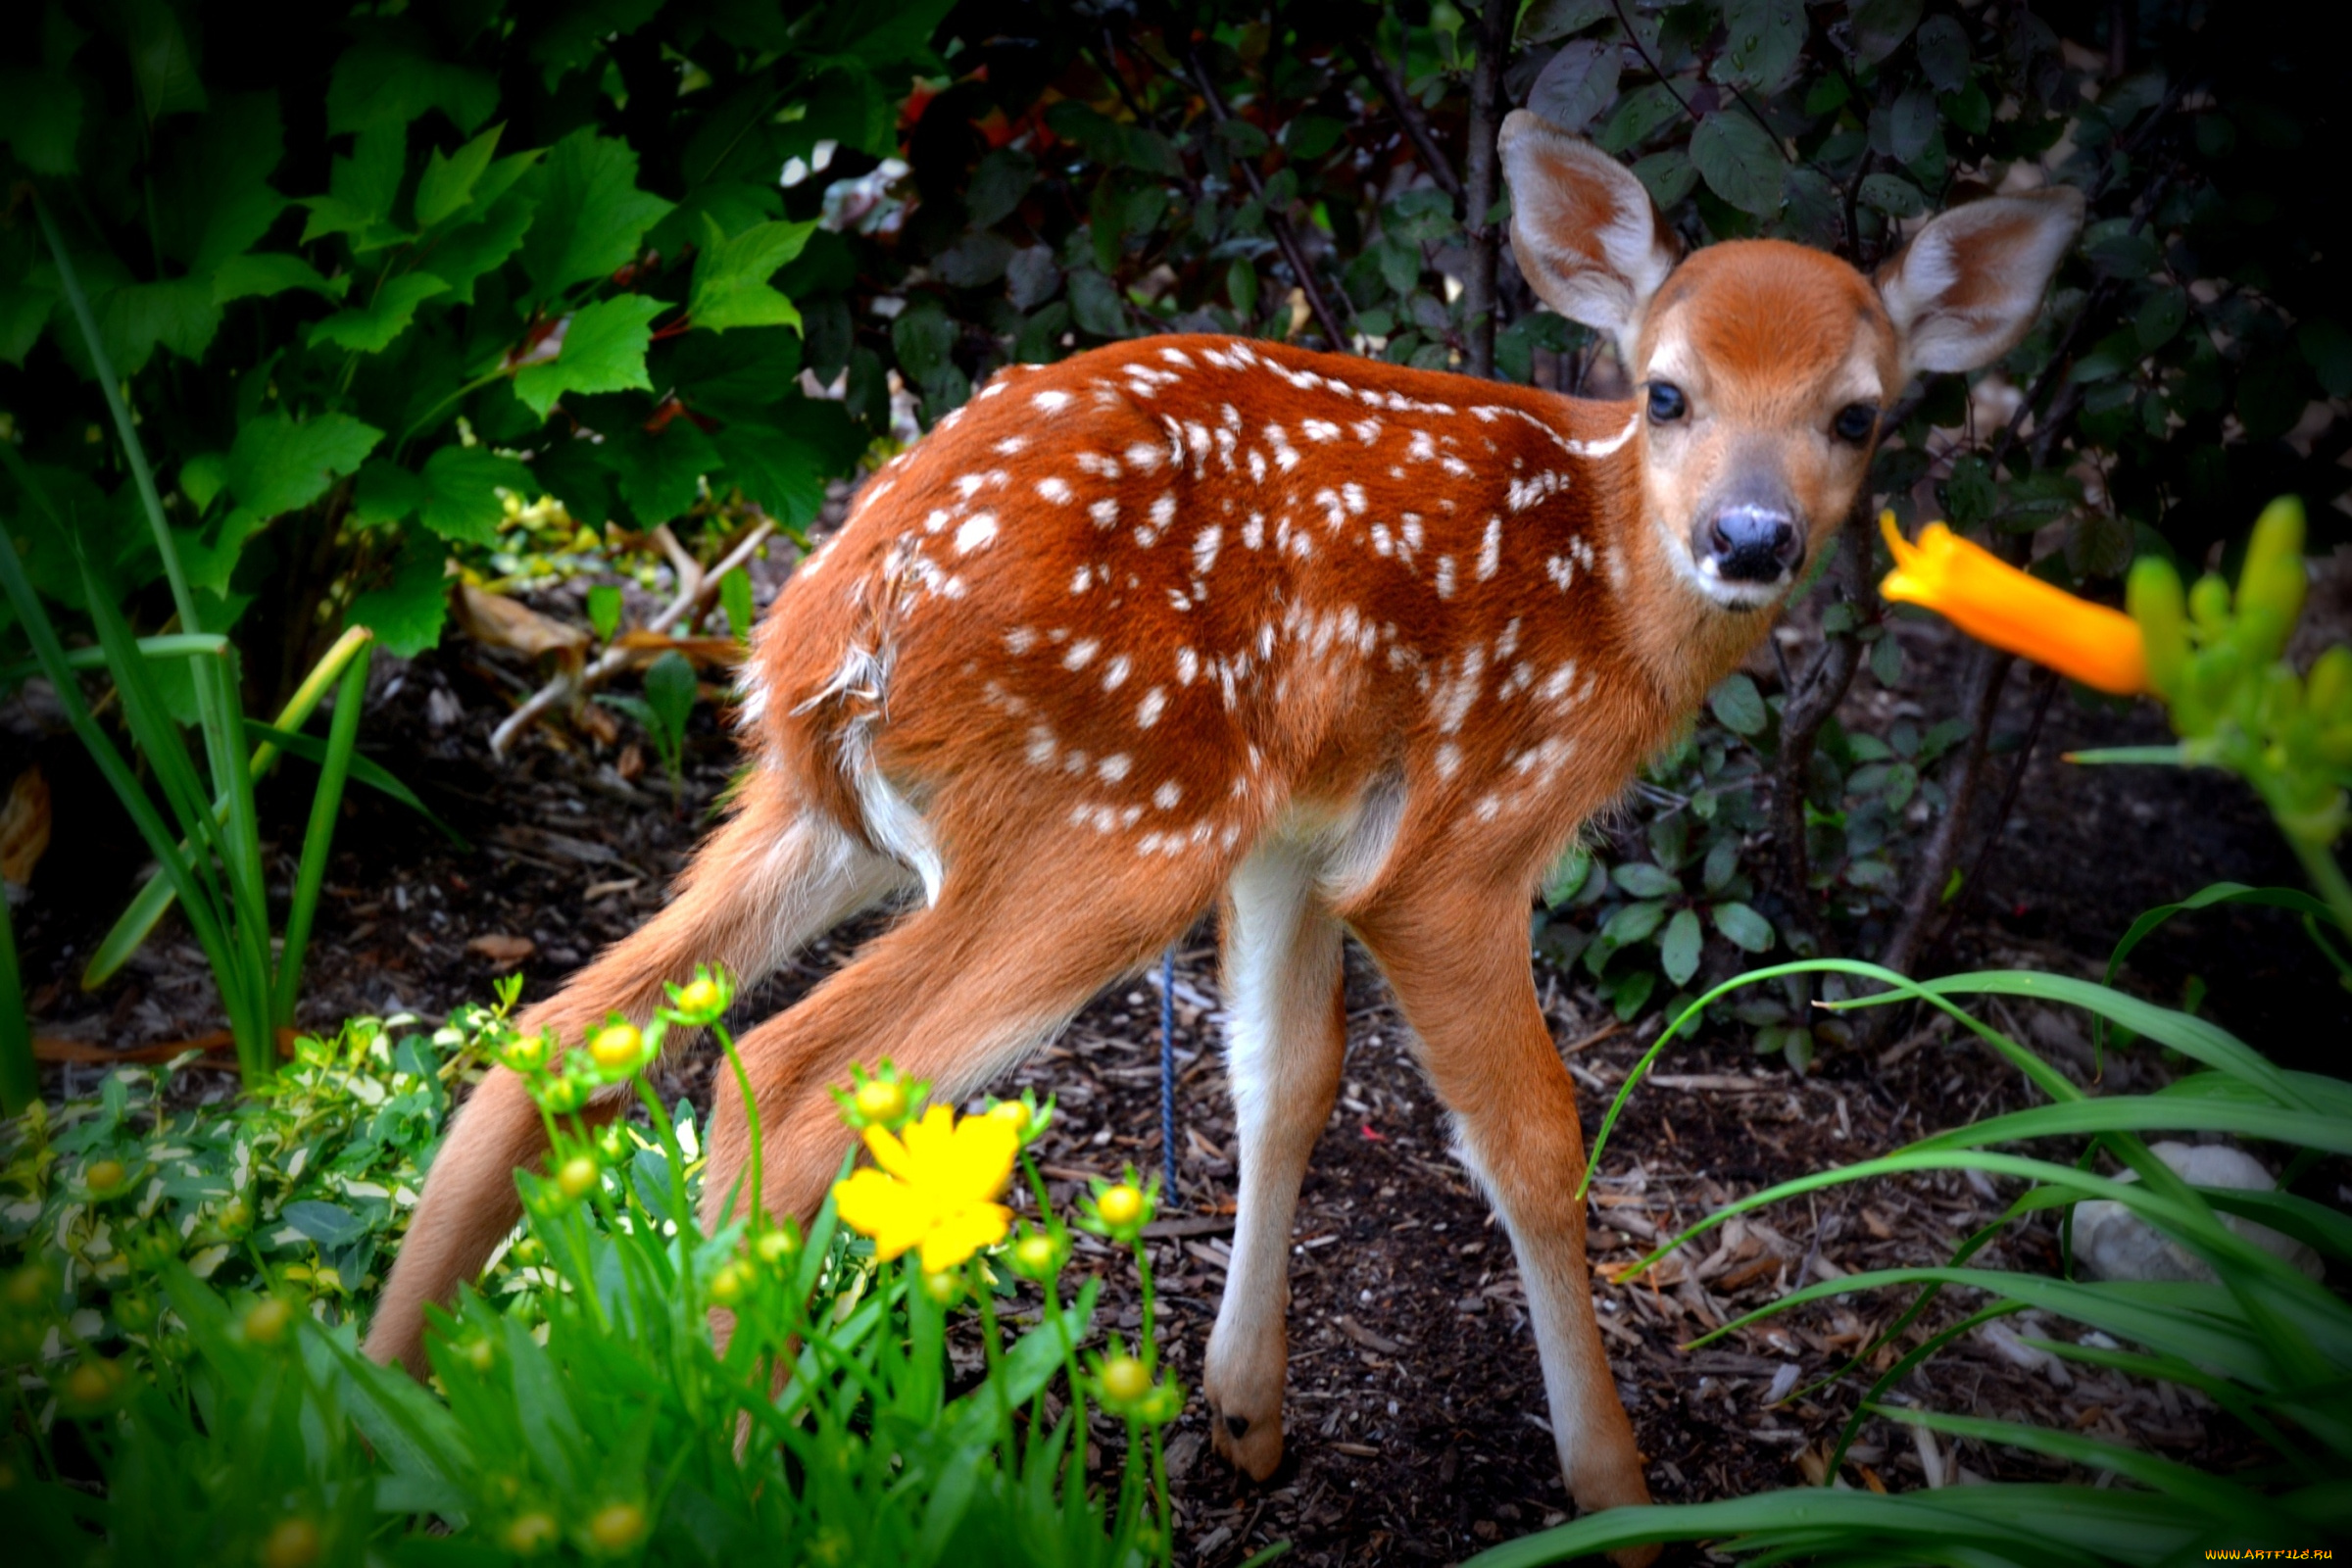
(2015, 611)
(936, 1190)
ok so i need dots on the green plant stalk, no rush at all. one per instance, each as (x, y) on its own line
(326, 802)
(20, 1076)
(170, 645)
(133, 927)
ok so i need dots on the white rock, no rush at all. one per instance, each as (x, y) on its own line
(2111, 1243)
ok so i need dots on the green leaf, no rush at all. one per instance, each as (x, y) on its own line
(1738, 707)
(1578, 83)
(470, 250)
(276, 465)
(161, 64)
(384, 84)
(604, 351)
(998, 185)
(1095, 304)
(735, 596)
(923, 338)
(1763, 39)
(669, 688)
(447, 186)
(1678, 946)
(1886, 661)
(775, 468)
(590, 212)
(327, 1224)
(1744, 927)
(658, 470)
(40, 118)
(361, 191)
(385, 492)
(461, 492)
(1635, 921)
(1740, 161)
(312, 749)
(1645, 880)
(731, 276)
(1942, 51)
(1881, 26)
(263, 273)
(1892, 195)
(372, 328)
(604, 611)
(406, 608)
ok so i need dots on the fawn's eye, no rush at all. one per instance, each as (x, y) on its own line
(1855, 422)
(1666, 403)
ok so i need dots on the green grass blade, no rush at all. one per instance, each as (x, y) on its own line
(19, 1075)
(2209, 1495)
(342, 736)
(2203, 899)
(170, 645)
(2152, 1114)
(382, 780)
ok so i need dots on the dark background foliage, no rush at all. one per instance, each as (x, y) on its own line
(774, 216)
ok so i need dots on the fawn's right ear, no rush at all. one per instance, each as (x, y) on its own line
(1588, 239)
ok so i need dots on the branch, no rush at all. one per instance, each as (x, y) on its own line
(1278, 223)
(1987, 673)
(1809, 709)
(1374, 65)
(1479, 161)
(695, 586)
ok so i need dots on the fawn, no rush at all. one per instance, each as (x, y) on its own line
(1337, 645)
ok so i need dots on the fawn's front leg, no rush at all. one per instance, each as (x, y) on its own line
(1285, 1036)
(1459, 968)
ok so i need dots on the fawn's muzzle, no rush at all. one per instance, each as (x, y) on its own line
(1751, 542)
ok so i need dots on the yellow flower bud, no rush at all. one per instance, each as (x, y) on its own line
(104, 1176)
(880, 1100)
(1121, 1205)
(945, 1286)
(577, 1178)
(92, 1383)
(1126, 1379)
(530, 1534)
(731, 1284)
(2209, 604)
(1011, 1113)
(616, 1527)
(31, 1286)
(266, 1321)
(699, 996)
(778, 1247)
(1035, 1256)
(616, 1047)
(2270, 591)
(525, 1053)
(294, 1544)
(2155, 598)
(2330, 688)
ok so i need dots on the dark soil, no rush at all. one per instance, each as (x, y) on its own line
(1418, 1427)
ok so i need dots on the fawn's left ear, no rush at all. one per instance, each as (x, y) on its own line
(1969, 283)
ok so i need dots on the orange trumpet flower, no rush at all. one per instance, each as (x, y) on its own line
(2015, 611)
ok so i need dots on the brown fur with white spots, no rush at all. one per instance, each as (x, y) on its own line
(1344, 645)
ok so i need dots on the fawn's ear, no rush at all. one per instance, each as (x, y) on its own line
(1587, 235)
(1969, 283)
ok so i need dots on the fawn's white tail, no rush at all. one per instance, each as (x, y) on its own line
(1346, 647)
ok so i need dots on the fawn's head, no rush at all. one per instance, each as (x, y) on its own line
(1760, 368)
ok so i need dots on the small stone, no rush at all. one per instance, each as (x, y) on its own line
(2111, 1243)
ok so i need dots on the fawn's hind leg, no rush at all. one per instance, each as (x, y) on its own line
(1285, 1042)
(770, 879)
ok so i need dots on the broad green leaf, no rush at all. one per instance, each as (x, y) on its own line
(208, 555)
(604, 611)
(1744, 927)
(1679, 946)
(1881, 25)
(735, 596)
(1633, 922)
(161, 64)
(1892, 195)
(386, 84)
(361, 191)
(658, 470)
(1738, 706)
(470, 250)
(372, 328)
(263, 273)
(590, 212)
(406, 605)
(137, 319)
(604, 351)
(40, 118)
(201, 477)
(446, 187)
(275, 465)
(783, 473)
(1762, 43)
(1740, 160)
(1578, 83)
(24, 312)
(327, 1224)
(731, 276)
(461, 492)
(1645, 881)
(669, 688)
(386, 492)
(742, 375)
(1942, 51)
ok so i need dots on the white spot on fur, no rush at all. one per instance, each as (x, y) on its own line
(1147, 711)
(975, 533)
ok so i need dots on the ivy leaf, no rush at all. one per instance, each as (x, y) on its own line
(731, 276)
(1763, 39)
(1678, 946)
(382, 84)
(372, 328)
(591, 212)
(778, 471)
(446, 187)
(1744, 927)
(461, 492)
(1740, 161)
(276, 465)
(361, 191)
(263, 273)
(386, 492)
(405, 610)
(604, 351)
(1578, 83)
(659, 472)
(1738, 706)
(470, 250)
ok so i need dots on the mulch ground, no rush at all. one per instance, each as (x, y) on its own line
(1418, 1427)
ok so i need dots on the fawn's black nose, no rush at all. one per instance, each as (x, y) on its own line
(1752, 543)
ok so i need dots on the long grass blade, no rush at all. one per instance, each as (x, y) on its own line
(342, 736)
(310, 749)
